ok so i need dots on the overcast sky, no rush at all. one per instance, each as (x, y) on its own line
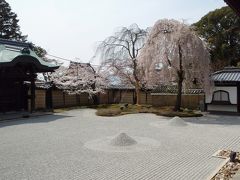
(71, 28)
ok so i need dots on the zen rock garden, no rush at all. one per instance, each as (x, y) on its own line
(79, 144)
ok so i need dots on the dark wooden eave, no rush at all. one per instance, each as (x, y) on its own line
(37, 67)
(235, 5)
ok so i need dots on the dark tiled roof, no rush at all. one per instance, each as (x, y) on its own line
(173, 90)
(43, 85)
(228, 74)
(40, 84)
(18, 44)
(125, 87)
(120, 87)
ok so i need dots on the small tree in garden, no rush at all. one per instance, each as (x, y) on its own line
(78, 78)
(119, 53)
(173, 54)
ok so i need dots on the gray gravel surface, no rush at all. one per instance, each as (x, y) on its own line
(52, 147)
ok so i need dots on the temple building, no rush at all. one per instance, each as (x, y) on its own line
(226, 92)
(19, 66)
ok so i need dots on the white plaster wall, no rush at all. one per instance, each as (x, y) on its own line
(228, 108)
(232, 90)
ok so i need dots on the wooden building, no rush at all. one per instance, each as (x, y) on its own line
(226, 93)
(18, 67)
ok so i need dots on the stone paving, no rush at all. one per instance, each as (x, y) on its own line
(52, 147)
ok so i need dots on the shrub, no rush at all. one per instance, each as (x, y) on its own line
(108, 112)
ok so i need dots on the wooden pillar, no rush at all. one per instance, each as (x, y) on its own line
(77, 99)
(25, 97)
(49, 98)
(113, 96)
(133, 95)
(32, 93)
(146, 98)
(238, 97)
(64, 100)
(120, 100)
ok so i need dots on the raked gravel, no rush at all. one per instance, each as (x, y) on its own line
(122, 143)
(53, 147)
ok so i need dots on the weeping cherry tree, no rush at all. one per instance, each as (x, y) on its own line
(174, 54)
(119, 54)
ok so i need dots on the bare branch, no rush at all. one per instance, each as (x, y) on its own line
(120, 53)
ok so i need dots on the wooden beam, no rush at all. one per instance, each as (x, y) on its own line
(238, 97)
(235, 5)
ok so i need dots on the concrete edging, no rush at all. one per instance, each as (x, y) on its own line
(219, 167)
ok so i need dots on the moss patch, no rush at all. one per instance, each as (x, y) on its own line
(122, 109)
(108, 112)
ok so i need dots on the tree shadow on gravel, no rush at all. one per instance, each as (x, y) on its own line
(31, 120)
(216, 119)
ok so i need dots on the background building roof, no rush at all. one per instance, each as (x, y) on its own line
(228, 74)
(172, 89)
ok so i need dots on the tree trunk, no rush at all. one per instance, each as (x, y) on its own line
(95, 99)
(137, 90)
(180, 74)
(137, 82)
(179, 94)
(95, 96)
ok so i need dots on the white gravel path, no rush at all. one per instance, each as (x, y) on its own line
(52, 147)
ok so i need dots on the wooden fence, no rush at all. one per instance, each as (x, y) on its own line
(61, 99)
(191, 101)
(114, 96)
